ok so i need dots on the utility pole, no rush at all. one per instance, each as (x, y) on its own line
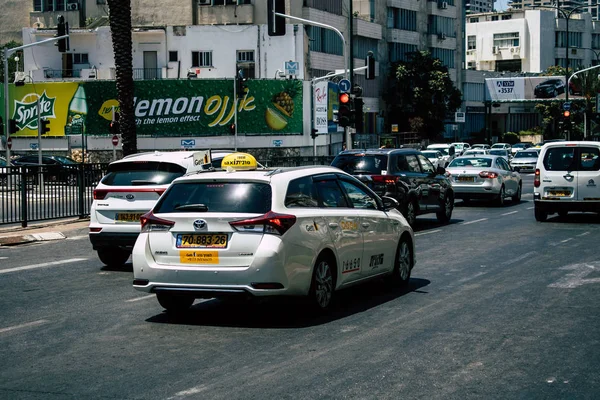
(347, 133)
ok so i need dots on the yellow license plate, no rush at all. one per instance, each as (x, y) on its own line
(466, 179)
(128, 217)
(194, 240)
(559, 193)
(198, 257)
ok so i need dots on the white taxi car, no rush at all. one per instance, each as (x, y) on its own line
(129, 189)
(306, 231)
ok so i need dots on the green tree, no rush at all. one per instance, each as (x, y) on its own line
(551, 112)
(12, 64)
(421, 95)
(120, 27)
(588, 85)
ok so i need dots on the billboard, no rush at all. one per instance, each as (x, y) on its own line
(162, 108)
(530, 88)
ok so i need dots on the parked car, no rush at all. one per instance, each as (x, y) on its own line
(460, 147)
(447, 150)
(405, 175)
(435, 156)
(59, 169)
(520, 146)
(484, 177)
(130, 188)
(525, 160)
(308, 231)
(549, 88)
(567, 175)
(10, 179)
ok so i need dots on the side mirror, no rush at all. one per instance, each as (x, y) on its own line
(451, 151)
(441, 170)
(389, 203)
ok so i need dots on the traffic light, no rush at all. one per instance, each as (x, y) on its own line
(275, 24)
(313, 133)
(346, 111)
(232, 129)
(12, 126)
(358, 114)
(370, 63)
(62, 28)
(240, 83)
(567, 113)
(44, 126)
(113, 126)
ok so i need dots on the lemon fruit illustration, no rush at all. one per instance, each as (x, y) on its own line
(284, 106)
(274, 119)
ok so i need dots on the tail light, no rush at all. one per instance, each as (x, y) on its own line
(270, 222)
(387, 179)
(151, 223)
(488, 174)
(100, 194)
(536, 178)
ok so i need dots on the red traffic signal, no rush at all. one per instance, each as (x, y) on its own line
(344, 98)
(567, 113)
(346, 110)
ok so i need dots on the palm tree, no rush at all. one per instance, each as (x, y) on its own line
(120, 27)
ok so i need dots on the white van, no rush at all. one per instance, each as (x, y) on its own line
(447, 150)
(567, 178)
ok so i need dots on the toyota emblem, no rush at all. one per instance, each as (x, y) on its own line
(199, 224)
(130, 197)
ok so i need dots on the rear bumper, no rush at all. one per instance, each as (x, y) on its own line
(551, 206)
(113, 239)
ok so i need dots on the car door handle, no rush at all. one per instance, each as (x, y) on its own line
(365, 224)
(333, 225)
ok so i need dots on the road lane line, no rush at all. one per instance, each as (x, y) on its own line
(78, 237)
(42, 265)
(472, 222)
(150, 296)
(3, 258)
(583, 234)
(530, 208)
(508, 213)
(566, 240)
(428, 232)
(520, 258)
(27, 325)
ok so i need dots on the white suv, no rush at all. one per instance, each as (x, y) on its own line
(306, 231)
(567, 178)
(130, 188)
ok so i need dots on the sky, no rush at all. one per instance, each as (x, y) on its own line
(501, 5)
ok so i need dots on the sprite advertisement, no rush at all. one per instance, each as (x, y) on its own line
(162, 108)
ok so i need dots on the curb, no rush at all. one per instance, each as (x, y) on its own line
(40, 233)
(32, 237)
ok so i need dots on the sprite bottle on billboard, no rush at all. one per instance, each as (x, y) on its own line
(77, 112)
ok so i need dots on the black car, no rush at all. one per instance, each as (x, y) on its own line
(56, 169)
(405, 175)
(549, 88)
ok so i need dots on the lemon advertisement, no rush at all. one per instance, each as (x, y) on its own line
(162, 108)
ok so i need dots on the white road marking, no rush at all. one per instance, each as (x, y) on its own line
(428, 232)
(566, 240)
(78, 237)
(3, 258)
(27, 325)
(508, 213)
(42, 265)
(575, 278)
(583, 234)
(520, 258)
(184, 393)
(151, 296)
(530, 208)
(472, 222)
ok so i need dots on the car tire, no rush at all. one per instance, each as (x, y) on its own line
(445, 213)
(403, 264)
(500, 198)
(411, 212)
(540, 216)
(517, 197)
(322, 286)
(113, 257)
(173, 303)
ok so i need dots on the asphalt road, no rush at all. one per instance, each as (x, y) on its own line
(499, 307)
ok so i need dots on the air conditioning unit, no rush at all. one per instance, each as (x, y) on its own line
(204, 2)
(441, 36)
(573, 50)
(495, 50)
(443, 5)
(72, 6)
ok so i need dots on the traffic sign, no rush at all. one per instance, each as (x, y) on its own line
(459, 116)
(115, 140)
(567, 106)
(291, 67)
(185, 143)
(277, 143)
(344, 85)
(9, 143)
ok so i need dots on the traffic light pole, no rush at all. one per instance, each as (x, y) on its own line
(7, 53)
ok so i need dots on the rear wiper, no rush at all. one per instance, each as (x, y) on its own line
(140, 182)
(195, 207)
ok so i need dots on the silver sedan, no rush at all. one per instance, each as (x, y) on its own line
(484, 177)
(525, 160)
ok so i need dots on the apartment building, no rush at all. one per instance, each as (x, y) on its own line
(479, 6)
(590, 6)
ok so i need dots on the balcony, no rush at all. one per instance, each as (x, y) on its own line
(141, 74)
(226, 14)
(49, 19)
(367, 29)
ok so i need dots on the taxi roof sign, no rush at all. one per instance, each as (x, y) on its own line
(239, 162)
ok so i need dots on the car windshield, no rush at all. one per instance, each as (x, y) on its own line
(228, 197)
(142, 173)
(430, 154)
(498, 152)
(471, 162)
(526, 154)
(359, 163)
(65, 160)
(498, 146)
(442, 150)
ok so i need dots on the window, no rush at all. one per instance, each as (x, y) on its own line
(505, 40)
(506, 16)
(472, 42)
(358, 197)
(245, 62)
(37, 5)
(473, 20)
(49, 5)
(427, 166)
(301, 193)
(401, 51)
(494, 18)
(446, 56)
(437, 25)
(330, 193)
(413, 163)
(589, 159)
(202, 59)
(399, 18)
(80, 58)
(559, 159)
(324, 41)
(173, 56)
(245, 56)
(575, 39)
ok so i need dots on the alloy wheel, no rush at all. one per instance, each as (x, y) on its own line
(323, 282)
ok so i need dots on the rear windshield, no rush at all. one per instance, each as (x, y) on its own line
(559, 159)
(142, 173)
(368, 164)
(228, 197)
(526, 154)
(498, 152)
(471, 162)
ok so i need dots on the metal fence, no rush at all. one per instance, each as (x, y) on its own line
(34, 193)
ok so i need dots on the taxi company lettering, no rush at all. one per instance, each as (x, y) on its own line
(168, 110)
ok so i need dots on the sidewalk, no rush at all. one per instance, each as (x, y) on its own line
(41, 231)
